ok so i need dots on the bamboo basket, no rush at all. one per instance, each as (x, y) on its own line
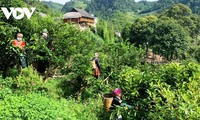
(107, 101)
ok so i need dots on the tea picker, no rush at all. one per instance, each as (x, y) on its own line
(18, 43)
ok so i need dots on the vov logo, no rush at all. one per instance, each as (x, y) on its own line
(15, 12)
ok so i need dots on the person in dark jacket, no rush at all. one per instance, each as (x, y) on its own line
(117, 99)
(96, 66)
(44, 63)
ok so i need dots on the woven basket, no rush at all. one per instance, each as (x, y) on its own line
(107, 101)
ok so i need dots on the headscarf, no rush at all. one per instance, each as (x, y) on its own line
(117, 91)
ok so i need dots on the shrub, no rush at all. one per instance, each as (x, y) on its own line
(176, 94)
(6, 86)
(35, 106)
(29, 80)
(168, 91)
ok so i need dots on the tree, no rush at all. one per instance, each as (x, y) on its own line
(8, 54)
(126, 32)
(105, 8)
(142, 30)
(178, 11)
(183, 15)
(106, 32)
(169, 39)
(121, 20)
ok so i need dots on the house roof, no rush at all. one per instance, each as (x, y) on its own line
(72, 15)
(76, 13)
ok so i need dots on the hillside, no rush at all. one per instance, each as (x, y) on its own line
(48, 8)
(53, 5)
(161, 5)
(82, 4)
(106, 8)
(101, 8)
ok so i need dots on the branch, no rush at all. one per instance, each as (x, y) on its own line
(107, 77)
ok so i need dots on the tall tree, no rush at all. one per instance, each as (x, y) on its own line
(142, 30)
(169, 39)
(178, 11)
(183, 15)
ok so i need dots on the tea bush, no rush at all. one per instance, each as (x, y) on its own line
(168, 91)
(29, 80)
(6, 87)
(4, 92)
(176, 104)
(116, 55)
(135, 83)
(35, 106)
(179, 98)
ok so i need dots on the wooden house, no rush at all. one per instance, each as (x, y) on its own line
(79, 16)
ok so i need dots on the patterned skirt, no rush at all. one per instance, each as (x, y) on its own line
(96, 72)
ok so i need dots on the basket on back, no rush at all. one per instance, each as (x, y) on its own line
(107, 100)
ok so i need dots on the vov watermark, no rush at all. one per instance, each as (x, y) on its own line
(18, 13)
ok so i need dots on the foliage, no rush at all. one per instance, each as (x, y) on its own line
(28, 80)
(178, 11)
(152, 90)
(169, 34)
(169, 39)
(142, 30)
(9, 29)
(134, 84)
(185, 18)
(8, 54)
(119, 19)
(197, 53)
(145, 7)
(37, 106)
(176, 107)
(47, 8)
(104, 8)
(117, 55)
(6, 87)
(178, 102)
(161, 5)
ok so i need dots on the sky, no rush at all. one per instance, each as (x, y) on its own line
(64, 1)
